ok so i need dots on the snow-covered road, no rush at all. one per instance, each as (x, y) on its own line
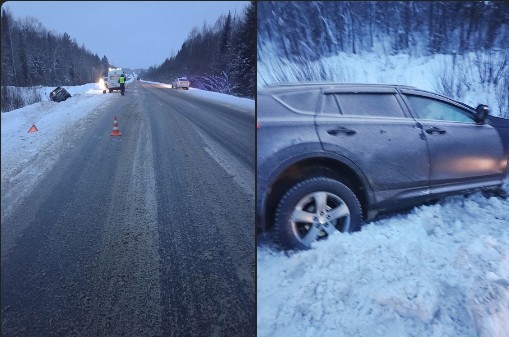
(130, 235)
(27, 156)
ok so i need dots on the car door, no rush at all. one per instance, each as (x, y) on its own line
(464, 154)
(369, 128)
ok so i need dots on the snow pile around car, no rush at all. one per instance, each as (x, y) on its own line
(440, 270)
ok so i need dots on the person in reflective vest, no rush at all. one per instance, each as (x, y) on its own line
(121, 80)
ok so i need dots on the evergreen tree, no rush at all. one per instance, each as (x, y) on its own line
(219, 58)
(245, 60)
(8, 63)
(33, 56)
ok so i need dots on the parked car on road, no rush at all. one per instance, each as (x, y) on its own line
(59, 94)
(331, 156)
(181, 82)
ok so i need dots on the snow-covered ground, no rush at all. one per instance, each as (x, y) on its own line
(27, 156)
(440, 270)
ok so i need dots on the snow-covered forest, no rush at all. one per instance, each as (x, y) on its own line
(32, 55)
(460, 48)
(221, 57)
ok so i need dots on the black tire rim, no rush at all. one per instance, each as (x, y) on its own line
(318, 215)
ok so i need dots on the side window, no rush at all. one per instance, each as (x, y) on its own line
(364, 104)
(300, 101)
(427, 108)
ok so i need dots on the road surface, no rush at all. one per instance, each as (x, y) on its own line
(147, 234)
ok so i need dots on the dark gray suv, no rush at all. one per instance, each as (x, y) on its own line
(331, 156)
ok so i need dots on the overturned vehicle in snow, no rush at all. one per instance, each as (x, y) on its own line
(332, 156)
(59, 94)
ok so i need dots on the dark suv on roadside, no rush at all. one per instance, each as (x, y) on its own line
(331, 156)
(59, 94)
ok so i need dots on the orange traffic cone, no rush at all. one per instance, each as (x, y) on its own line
(116, 131)
(33, 128)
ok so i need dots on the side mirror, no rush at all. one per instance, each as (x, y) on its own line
(481, 113)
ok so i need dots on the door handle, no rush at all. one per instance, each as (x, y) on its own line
(435, 129)
(341, 129)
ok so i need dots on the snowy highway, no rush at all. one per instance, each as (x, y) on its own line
(145, 234)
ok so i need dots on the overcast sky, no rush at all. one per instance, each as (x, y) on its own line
(132, 34)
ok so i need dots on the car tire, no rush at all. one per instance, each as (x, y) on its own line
(111, 90)
(314, 209)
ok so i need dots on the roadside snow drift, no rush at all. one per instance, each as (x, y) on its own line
(440, 270)
(27, 156)
(246, 105)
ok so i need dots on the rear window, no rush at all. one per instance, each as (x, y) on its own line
(300, 101)
(362, 104)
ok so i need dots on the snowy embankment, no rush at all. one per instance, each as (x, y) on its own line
(243, 104)
(440, 270)
(468, 78)
(26, 157)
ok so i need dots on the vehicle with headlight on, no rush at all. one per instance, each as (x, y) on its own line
(102, 84)
(112, 79)
(332, 156)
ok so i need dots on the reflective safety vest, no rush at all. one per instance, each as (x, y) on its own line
(121, 79)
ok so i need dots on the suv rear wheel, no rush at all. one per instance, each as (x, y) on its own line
(314, 209)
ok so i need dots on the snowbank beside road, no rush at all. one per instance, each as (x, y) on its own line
(244, 104)
(89, 88)
(440, 270)
(27, 156)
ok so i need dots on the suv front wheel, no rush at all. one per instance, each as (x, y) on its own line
(314, 209)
